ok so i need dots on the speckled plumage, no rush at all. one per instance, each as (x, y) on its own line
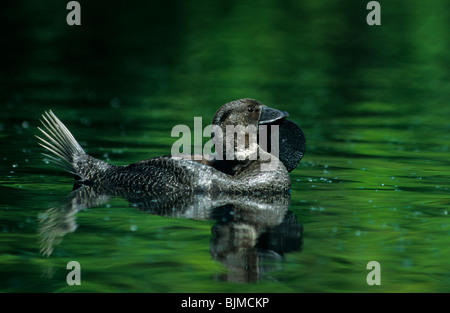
(171, 174)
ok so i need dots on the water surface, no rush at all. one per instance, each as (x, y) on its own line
(372, 101)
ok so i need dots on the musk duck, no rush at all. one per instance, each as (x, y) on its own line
(241, 164)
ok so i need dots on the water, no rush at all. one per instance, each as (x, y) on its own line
(372, 101)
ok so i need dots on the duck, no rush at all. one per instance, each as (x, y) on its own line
(251, 168)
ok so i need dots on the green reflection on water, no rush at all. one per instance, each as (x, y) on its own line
(372, 101)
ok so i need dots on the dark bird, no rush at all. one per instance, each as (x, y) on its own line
(232, 171)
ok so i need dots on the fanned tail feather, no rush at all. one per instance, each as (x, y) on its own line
(60, 143)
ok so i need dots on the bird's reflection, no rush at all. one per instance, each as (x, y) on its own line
(250, 237)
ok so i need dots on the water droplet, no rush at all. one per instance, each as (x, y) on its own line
(115, 103)
(407, 263)
(25, 124)
(133, 227)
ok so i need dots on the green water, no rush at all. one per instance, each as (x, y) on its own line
(373, 103)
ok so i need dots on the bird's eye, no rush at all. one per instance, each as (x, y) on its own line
(250, 109)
